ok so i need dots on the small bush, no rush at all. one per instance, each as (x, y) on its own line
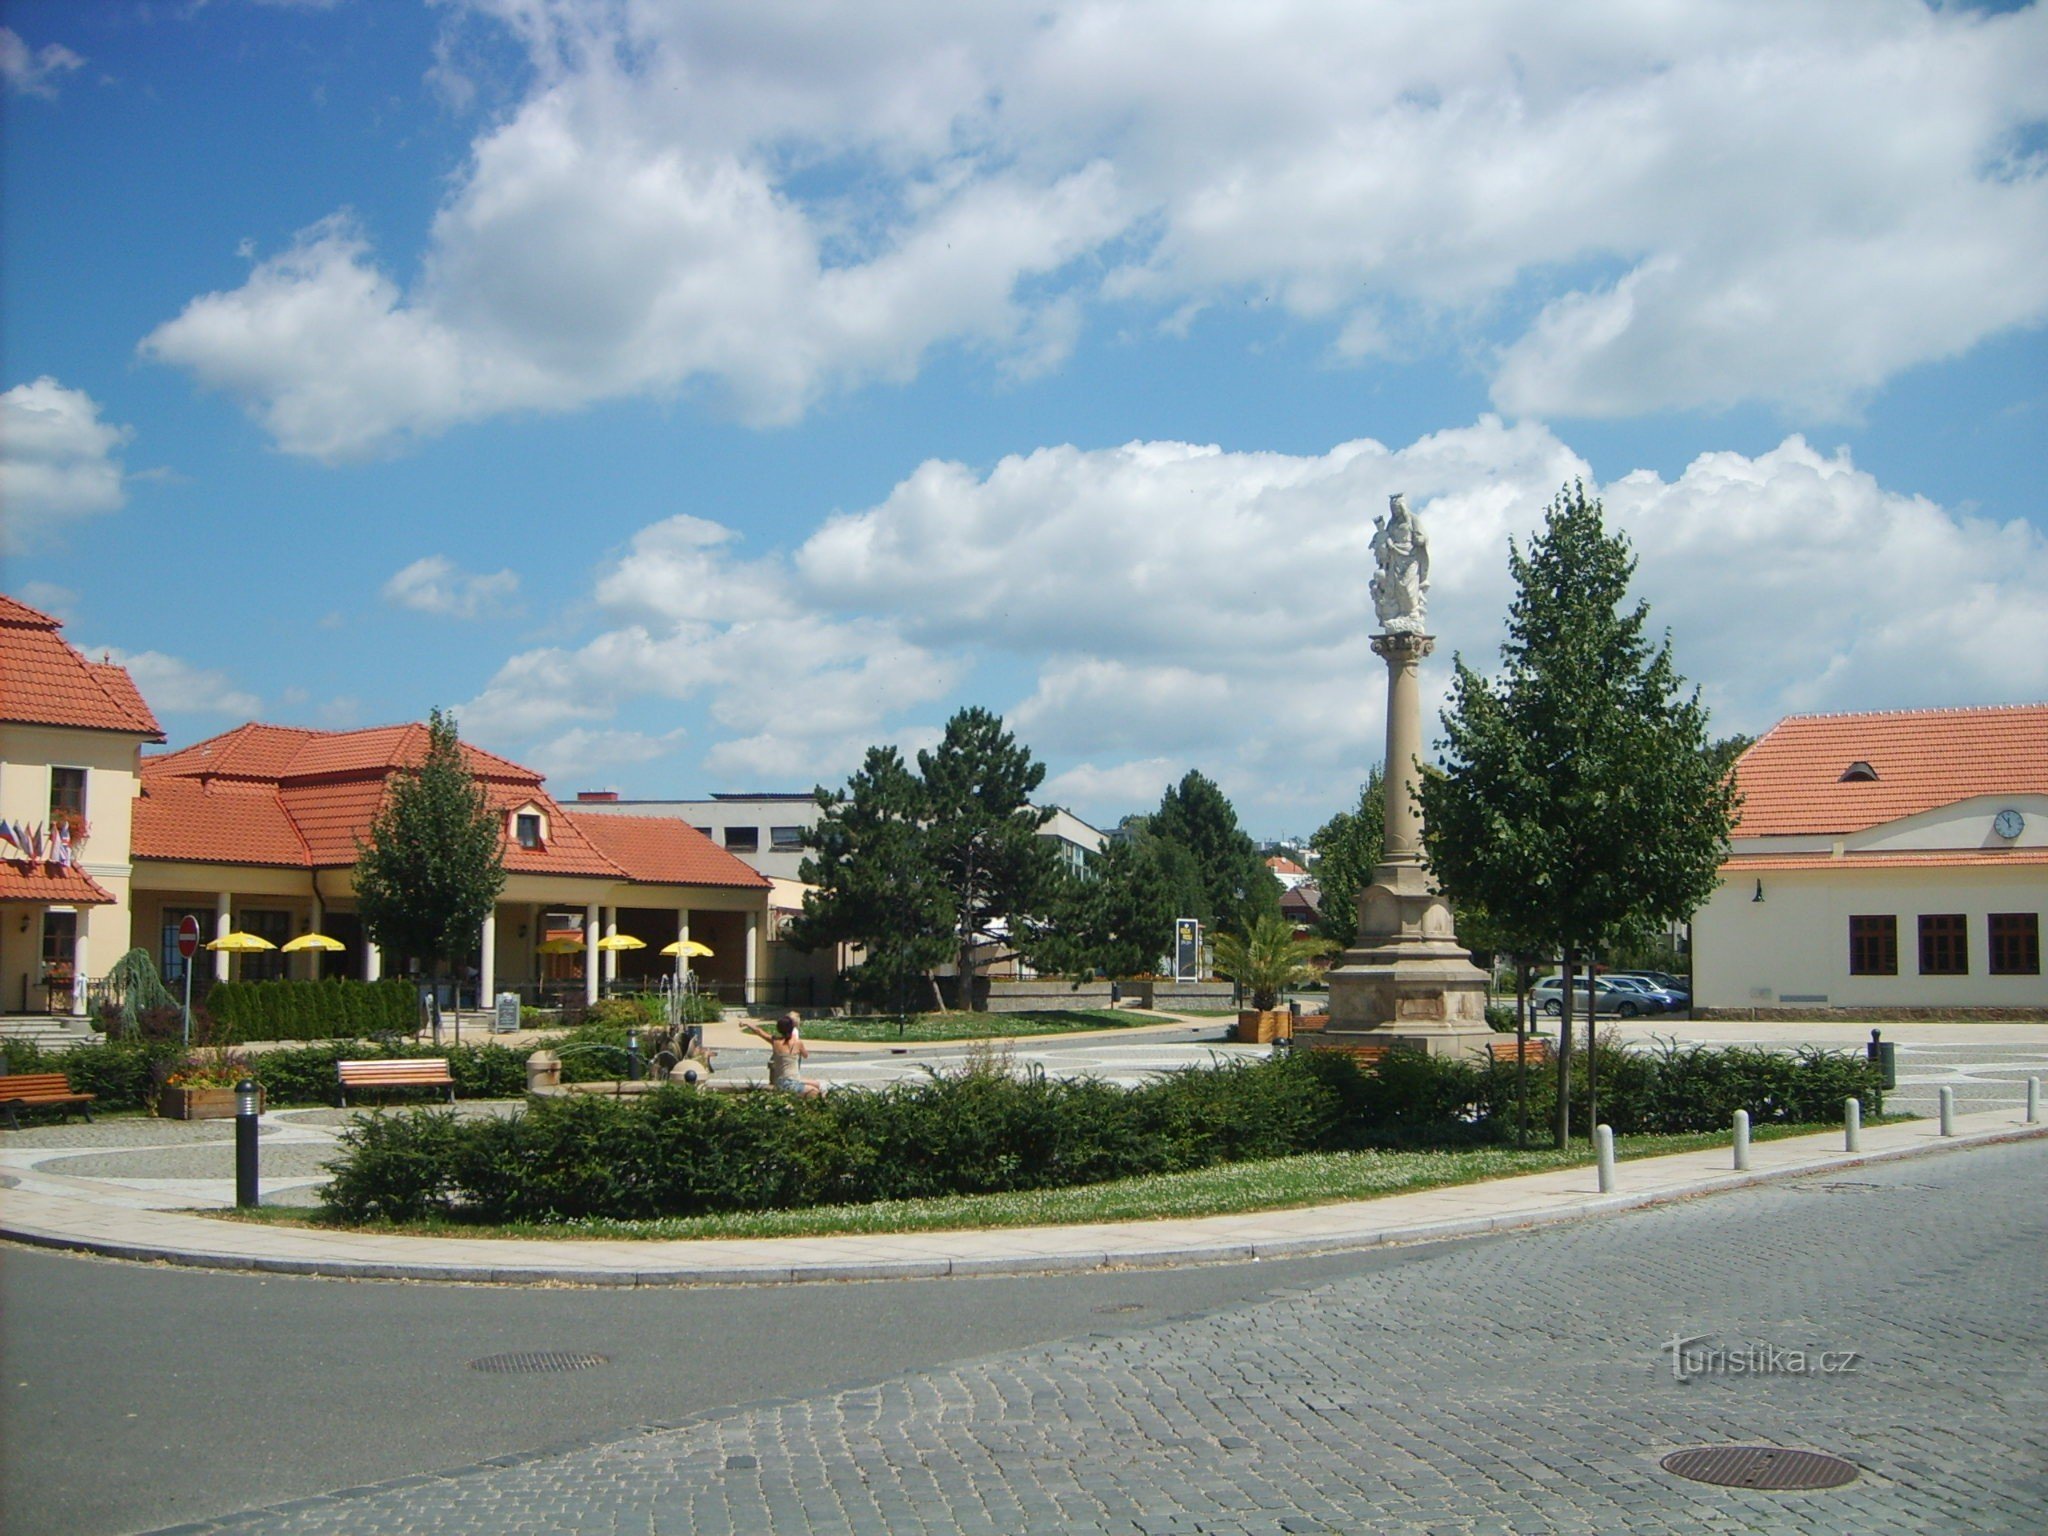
(330, 1009)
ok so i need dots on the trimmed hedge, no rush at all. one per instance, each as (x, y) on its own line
(678, 1152)
(331, 1009)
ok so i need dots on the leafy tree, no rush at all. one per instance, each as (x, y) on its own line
(1117, 916)
(1349, 846)
(1267, 958)
(874, 885)
(1724, 752)
(981, 834)
(1236, 888)
(1578, 803)
(433, 866)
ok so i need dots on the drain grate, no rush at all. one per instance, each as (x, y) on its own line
(1760, 1466)
(540, 1360)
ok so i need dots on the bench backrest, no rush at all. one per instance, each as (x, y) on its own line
(414, 1070)
(33, 1084)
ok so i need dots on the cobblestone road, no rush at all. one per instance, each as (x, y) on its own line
(1514, 1385)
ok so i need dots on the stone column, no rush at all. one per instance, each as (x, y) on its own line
(79, 961)
(487, 962)
(373, 961)
(611, 956)
(1403, 653)
(222, 927)
(590, 952)
(682, 937)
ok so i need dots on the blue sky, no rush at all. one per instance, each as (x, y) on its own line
(691, 394)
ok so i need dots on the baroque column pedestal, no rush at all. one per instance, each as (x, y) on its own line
(1406, 982)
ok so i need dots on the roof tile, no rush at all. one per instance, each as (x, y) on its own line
(652, 848)
(45, 681)
(47, 883)
(1791, 779)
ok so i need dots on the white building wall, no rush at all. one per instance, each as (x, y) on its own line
(1792, 948)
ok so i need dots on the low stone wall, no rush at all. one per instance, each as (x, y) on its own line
(1207, 996)
(1041, 995)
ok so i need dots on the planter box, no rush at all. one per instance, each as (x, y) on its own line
(1041, 995)
(1207, 996)
(1257, 1026)
(200, 1104)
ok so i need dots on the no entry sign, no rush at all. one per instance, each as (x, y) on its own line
(188, 936)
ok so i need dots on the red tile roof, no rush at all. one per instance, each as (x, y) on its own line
(1791, 780)
(45, 681)
(42, 883)
(645, 845)
(285, 795)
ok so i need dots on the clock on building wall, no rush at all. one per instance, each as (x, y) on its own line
(2008, 823)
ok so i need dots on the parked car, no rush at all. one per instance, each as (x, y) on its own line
(1657, 999)
(1548, 996)
(1678, 986)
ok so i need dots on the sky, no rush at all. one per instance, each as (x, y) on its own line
(691, 394)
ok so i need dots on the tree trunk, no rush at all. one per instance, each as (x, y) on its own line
(1521, 1051)
(1592, 1047)
(1564, 1060)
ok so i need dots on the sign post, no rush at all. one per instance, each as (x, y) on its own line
(1187, 949)
(188, 946)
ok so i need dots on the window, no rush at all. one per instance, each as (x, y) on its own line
(172, 964)
(785, 839)
(60, 946)
(2015, 943)
(743, 839)
(276, 926)
(526, 827)
(67, 800)
(1944, 944)
(1858, 773)
(1874, 946)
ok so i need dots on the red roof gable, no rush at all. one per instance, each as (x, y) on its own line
(1792, 780)
(286, 795)
(45, 681)
(645, 846)
(42, 883)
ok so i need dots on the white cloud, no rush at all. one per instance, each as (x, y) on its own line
(57, 461)
(433, 585)
(583, 754)
(58, 602)
(1618, 209)
(34, 71)
(174, 685)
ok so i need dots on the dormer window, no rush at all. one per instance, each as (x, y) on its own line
(530, 829)
(1858, 772)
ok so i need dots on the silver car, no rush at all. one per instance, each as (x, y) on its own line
(1548, 997)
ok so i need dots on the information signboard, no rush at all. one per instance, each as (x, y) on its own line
(1187, 949)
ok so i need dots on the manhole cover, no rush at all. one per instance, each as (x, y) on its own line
(540, 1360)
(1760, 1466)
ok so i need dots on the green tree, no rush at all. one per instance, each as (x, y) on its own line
(1578, 803)
(1235, 887)
(433, 865)
(874, 885)
(981, 835)
(1349, 847)
(1117, 916)
(1267, 958)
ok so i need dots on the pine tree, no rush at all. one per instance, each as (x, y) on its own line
(1236, 888)
(1117, 916)
(982, 835)
(433, 865)
(1578, 804)
(874, 884)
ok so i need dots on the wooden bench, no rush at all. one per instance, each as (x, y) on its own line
(413, 1072)
(40, 1090)
(1504, 1049)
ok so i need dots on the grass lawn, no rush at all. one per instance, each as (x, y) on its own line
(1314, 1179)
(931, 1028)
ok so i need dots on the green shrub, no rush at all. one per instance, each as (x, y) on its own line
(331, 1009)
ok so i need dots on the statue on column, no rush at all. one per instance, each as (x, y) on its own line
(1400, 589)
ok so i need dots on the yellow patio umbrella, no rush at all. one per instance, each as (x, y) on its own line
(560, 947)
(686, 947)
(241, 944)
(615, 941)
(317, 942)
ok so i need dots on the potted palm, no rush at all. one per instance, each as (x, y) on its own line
(1266, 960)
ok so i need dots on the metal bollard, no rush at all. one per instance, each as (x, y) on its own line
(1741, 1139)
(1948, 1111)
(2033, 1101)
(1603, 1144)
(248, 1106)
(1852, 1125)
(1884, 1056)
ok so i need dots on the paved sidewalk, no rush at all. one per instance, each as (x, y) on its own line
(107, 1216)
